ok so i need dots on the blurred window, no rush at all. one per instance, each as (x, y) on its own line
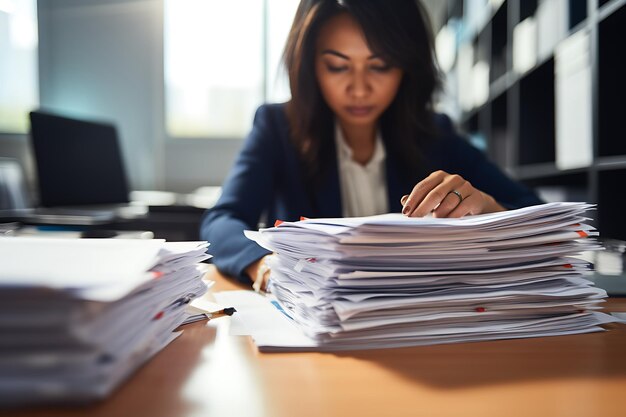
(222, 60)
(18, 64)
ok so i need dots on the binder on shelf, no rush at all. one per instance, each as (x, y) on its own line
(465, 68)
(551, 26)
(476, 13)
(574, 140)
(480, 83)
(525, 45)
(445, 46)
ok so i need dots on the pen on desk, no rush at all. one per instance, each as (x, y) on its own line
(209, 316)
(9, 229)
(221, 313)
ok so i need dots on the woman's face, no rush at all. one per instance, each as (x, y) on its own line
(357, 85)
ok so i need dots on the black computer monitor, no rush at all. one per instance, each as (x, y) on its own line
(78, 162)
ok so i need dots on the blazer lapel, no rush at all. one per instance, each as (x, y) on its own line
(328, 197)
(396, 187)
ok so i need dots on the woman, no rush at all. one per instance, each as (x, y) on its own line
(358, 137)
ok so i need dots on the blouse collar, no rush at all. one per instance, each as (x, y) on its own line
(346, 153)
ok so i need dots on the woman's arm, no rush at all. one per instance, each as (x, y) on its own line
(245, 195)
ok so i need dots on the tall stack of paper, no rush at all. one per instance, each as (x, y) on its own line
(77, 316)
(391, 281)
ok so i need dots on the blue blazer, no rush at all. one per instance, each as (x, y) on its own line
(266, 180)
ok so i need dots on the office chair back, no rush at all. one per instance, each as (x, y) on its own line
(13, 191)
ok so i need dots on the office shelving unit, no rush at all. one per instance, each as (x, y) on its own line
(519, 121)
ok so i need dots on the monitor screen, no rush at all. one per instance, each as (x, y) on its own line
(78, 162)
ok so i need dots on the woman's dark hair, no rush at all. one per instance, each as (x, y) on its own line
(396, 30)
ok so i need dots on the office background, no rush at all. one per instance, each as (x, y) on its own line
(529, 81)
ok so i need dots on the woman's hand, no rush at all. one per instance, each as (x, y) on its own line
(259, 273)
(447, 195)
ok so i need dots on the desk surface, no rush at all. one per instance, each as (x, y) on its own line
(207, 372)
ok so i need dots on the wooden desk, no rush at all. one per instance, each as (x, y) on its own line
(206, 372)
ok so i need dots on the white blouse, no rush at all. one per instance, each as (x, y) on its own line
(363, 187)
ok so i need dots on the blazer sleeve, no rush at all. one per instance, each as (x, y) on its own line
(461, 157)
(245, 195)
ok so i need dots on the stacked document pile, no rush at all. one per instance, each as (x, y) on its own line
(392, 281)
(77, 316)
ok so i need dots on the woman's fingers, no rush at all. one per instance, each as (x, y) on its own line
(420, 191)
(259, 272)
(447, 195)
(451, 202)
(470, 205)
(444, 195)
(433, 195)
